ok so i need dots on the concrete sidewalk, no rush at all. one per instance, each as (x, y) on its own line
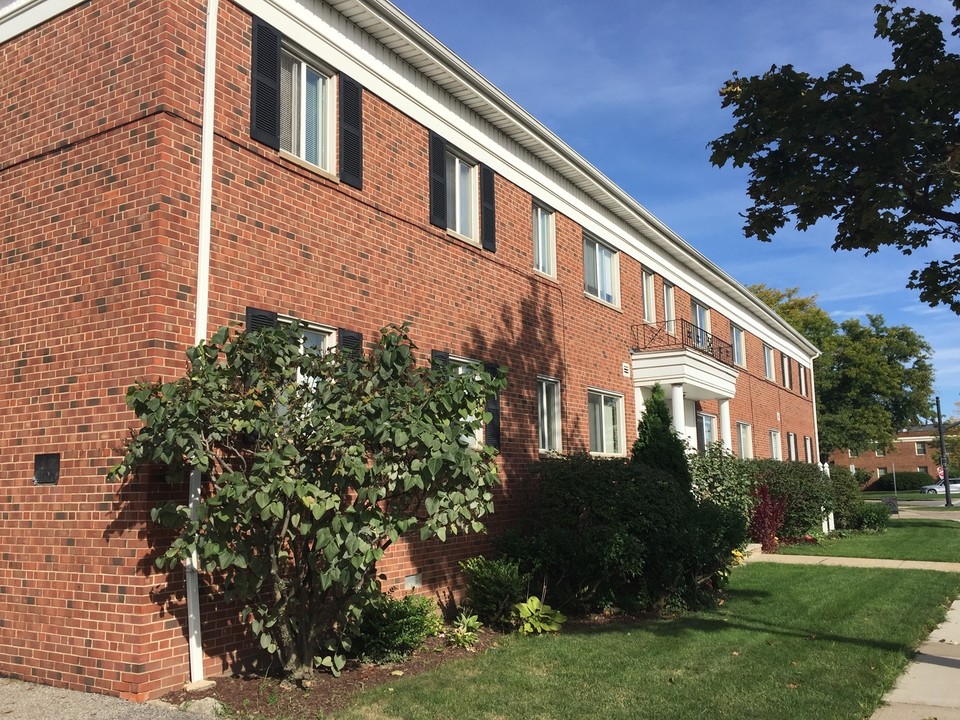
(929, 689)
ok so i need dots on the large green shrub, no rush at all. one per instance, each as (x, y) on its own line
(612, 533)
(391, 629)
(872, 517)
(494, 587)
(804, 488)
(314, 464)
(722, 478)
(847, 497)
(657, 444)
(905, 480)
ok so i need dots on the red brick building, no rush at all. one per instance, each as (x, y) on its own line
(339, 166)
(913, 451)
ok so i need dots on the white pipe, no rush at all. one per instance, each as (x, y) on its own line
(202, 311)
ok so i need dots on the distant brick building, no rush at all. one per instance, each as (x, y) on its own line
(340, 166)
(912, 452)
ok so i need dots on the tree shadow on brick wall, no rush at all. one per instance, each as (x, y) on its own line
(223, 634)
(528, 344)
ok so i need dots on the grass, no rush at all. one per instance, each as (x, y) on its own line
(791, 642)
(934, 540)
(901, 495)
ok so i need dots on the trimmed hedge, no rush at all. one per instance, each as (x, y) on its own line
(611, 533)
(907, 480)
(807, 493)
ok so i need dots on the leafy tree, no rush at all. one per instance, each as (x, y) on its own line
(657, 445)
(313, 464)
(881, 158)
(803, 313)
(871, 380)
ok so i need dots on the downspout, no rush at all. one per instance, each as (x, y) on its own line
(202, 311)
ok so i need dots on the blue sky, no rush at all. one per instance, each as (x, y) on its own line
(632, 86)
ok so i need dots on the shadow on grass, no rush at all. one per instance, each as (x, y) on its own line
(682, 625)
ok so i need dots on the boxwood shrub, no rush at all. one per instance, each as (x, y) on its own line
(905, 481)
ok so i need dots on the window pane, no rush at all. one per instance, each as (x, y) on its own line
(451, 192)
(669, 308)
(465, 216)
(548, 401)
(313, 116)
(289, 103)
(611, 425)
(605, 273)
(542, 241)
(595, 412)
(590, 267)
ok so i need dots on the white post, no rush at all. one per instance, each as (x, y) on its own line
(676, 409)
(725, 436)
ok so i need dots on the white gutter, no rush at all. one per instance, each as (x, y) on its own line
(202, 312)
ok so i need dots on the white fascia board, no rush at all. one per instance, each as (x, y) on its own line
(21, 15)
(324, 32)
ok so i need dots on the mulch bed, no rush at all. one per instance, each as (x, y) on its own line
(271, 697)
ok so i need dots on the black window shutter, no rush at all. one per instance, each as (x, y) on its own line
(488, 213)
(349, 341)
(258, 319)
(492, 429)
(351, 132)
(439, 357)
(438, 180)
(265, 84)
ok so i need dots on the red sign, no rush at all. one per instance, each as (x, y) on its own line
(940, 471)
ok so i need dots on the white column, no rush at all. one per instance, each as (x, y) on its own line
(725, 437)
(676, 408)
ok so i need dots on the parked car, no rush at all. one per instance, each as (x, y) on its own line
(938, 488)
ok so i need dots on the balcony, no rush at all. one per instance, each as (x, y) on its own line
(651, 337)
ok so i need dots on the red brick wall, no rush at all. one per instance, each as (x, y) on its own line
(99, 219)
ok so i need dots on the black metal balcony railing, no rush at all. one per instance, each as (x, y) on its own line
(681, 334)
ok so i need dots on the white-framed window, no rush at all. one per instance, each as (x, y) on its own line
(669, 309)
(605, 410)
(776, 452)
(852, 453)
(808, 449)
(802, 372)
(462, 194)
(463, 366)
(706, 431)
(649, 298)
(305, 106)
(786, 370)
(601, 271)
(924, 469)
(881, 452)
(548, 414)
(544, 243)
(744, 441)
(792, 447)
(739, 342)
(701, 326)
(769, 368)
(920, 448)
(881, 471)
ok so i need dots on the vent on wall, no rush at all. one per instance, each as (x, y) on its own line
(46, 469)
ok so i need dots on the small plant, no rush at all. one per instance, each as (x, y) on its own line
(493, 588)
(534, 616)
(391, 629)
(465, 631)
(767, 519)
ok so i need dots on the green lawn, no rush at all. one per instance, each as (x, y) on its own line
(936, 540)
(901, 495)
(791, 642)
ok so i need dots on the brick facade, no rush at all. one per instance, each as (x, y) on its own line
(100, 155)
(913, 451)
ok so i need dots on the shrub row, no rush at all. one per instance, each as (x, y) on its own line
(904, 481)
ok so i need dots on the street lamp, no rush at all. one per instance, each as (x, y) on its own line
(943, 453)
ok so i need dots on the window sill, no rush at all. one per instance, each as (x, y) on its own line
(602, 302)
(545, 276)
(454, 235)
(306, 165)
(607, 455)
